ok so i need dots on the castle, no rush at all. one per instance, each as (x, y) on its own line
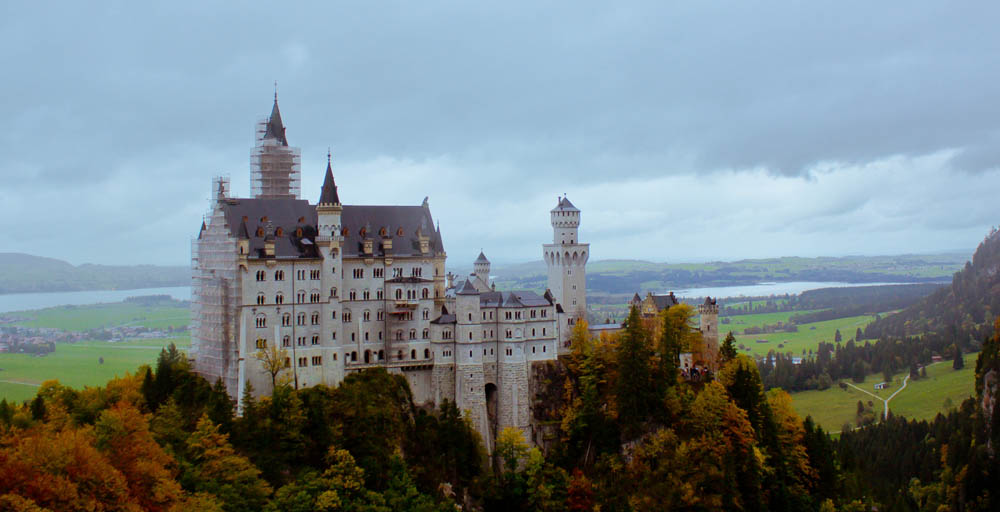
(334, 288)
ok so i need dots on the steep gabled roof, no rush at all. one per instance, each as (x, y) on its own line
(329, 192)
(275, 129)
(565, 205)
(243, 233)
(468, 289)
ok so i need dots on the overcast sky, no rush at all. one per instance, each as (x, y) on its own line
(718, 131)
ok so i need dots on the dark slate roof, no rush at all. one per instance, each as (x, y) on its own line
(444, 319)
(482, 258)
(565, 205)
(329, 192)
(665, 301)
(709, 301)
(280, 213)
(275, 130)
(515, 299)
(468, 289)
(392, 218)
(636, 298)
(243, 233)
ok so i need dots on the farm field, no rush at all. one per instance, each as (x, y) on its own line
(96, 316)
(807, 337)
(77, 365)
(922, 398)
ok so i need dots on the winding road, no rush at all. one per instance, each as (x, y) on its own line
(885, 401)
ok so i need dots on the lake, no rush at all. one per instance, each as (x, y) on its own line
(25, 301)
(766, 289)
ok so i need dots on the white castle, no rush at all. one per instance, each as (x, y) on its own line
(342, 288)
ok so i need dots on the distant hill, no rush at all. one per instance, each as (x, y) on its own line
(24, 273)
(625, 277)
(963, 312)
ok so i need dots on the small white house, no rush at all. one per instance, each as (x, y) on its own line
(881, 385)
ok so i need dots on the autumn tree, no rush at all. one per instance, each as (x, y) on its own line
(123, 436)
(218, 470)
(273, 360)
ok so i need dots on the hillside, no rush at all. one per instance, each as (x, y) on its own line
(24, 273)
(963, 312)
(616, 278)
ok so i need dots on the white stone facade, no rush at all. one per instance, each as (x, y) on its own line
(341, 288)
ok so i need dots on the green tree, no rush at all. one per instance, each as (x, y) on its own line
(837, 336)
(959, 361)
(728, 348)
(341, 487)
(858, 335)
(635, 393)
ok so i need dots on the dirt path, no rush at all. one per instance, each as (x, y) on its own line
(21, 383)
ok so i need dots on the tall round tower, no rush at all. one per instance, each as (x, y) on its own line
(566, 259)
(709, 311)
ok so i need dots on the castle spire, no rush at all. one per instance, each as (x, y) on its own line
(329, 195)
(275, 129)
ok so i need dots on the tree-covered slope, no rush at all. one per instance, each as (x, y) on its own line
(963, 312)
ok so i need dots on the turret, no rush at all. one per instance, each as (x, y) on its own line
(565, 222)
(709, 311)
(482, 268)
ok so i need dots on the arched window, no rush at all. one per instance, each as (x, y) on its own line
(368, 356)
(261, 299)
(399, 335)
(427, 334)
(381, 355)
(399, 294)
(425, 294)
(261, 321)
(301, 319)
(427, 353)
(261, 275)
(279, 298)
(261, 343)
(314, 319)
(354, 357)
(413, 334)
(413, 354)
(286, 341)
(286, 319)
(399, 355)
(300, 296)
(279, 275)
(333, 292)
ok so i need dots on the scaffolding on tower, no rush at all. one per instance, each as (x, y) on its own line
(274, 165)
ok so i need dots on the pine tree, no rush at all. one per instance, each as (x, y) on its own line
(959, 360)
(728, 348)
(837, 337)
(634, 391)
(858, 336)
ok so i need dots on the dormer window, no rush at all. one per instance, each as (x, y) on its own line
(279, 232)
(364, 232)
(382, 232)
(260, 231)
(298, 233)
(345, 232)
(399, 232)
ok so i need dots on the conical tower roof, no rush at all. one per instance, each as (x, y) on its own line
(275, 129)
(329, 192)
(482, 258)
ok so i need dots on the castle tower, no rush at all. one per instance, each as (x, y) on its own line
(274, 165)
(329, 242)
(482, 268)
(470, 379)
(709, 311)
(566, 259)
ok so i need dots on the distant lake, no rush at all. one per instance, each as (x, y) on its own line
(766, 289)
(23, 301)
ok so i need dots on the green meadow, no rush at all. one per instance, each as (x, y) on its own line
(78, 364)
(96, 316)
(807, 338)
(922, 399)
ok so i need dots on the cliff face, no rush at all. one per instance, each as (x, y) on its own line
(987, 391)
(963, 311)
